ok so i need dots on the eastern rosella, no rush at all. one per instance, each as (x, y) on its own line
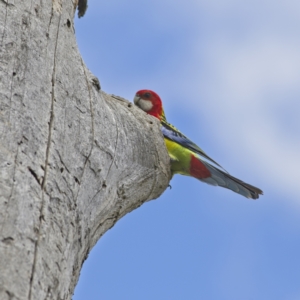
(186, 157)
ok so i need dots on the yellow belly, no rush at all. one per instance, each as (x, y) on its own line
(180, 158)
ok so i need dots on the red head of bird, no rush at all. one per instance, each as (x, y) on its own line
(150, 102)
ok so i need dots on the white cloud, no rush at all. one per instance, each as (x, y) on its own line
(245, 82)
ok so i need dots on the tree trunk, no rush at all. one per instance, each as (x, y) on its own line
(73, 160)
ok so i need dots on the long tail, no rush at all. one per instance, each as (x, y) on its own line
(223, 179)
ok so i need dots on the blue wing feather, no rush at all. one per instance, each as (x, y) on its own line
(173, 134)
(218, 175)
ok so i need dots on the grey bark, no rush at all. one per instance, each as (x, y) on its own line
(73, 160)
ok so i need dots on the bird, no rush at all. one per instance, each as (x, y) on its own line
(186, 158)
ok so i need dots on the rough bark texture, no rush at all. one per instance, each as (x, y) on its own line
(73, 160)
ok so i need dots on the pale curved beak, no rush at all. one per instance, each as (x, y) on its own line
(136, 99)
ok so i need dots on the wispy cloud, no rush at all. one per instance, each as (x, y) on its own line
(251, 86)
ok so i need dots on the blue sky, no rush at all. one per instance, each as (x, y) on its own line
(229, 76)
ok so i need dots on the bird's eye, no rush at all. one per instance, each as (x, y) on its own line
(147, 95)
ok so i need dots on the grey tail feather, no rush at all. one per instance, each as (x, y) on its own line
(220, 178)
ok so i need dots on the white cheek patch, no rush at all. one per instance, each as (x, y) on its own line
(145, 105)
